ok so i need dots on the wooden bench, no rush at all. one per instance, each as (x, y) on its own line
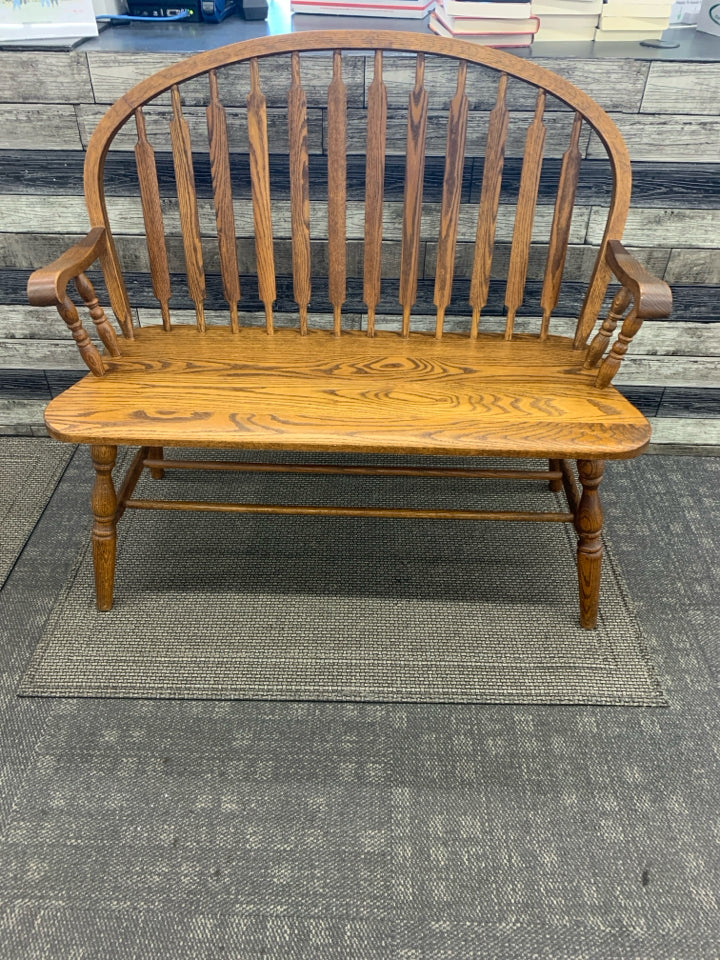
(460, 388)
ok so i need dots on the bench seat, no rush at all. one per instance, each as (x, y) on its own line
(388, 394)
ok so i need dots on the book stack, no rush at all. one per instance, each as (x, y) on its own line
(638, 20)
(492, 23)
(567, 20)
(401, 9)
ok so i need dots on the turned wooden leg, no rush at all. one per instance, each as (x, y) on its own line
(104, 536)
(588, 523)
(556, 485)
(156, 453)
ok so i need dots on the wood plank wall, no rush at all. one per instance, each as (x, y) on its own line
(50, 103)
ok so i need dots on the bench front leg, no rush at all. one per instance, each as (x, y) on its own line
(589, 524)
(104, 531)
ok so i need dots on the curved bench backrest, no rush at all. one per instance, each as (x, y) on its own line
(371, 164)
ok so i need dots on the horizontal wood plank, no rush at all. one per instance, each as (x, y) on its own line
(114, 76)
(158, 128)
(24, 385)
(68, 215)
(44, 77)
(41, 354)
(30, 250)
(43, 126)
(692, 303)
(669, 371)
(694, 266)
(677, 228)
(685, 432)
(615, 84)
(688, 88)
(690, 402)
(578, 265)
(28, 172)
(665, 185)
(558, 133)
(671, 137)
(23, 418)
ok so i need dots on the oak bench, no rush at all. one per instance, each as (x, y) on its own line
(459, 388)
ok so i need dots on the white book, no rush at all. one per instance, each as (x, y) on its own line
(640, 8)
(556, 29)
(485, 24)
(483, 39)
(485, 8)
(627, 36)
(633, 23)
(401, 9)
(565, 8)
(462, 26)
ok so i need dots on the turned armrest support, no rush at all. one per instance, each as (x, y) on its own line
(47, 286)
(648, 298)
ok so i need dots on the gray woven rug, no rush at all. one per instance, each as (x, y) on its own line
(29, 471)
(298, 608)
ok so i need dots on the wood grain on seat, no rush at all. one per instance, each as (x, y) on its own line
(354, 393)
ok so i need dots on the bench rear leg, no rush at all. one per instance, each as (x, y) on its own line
(156, 453)
(555, 485)
(104, 532)
(588, 524)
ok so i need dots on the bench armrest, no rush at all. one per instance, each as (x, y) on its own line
(46, 286)
(651, 296)
(648, 297)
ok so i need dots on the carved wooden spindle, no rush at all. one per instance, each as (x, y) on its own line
(601, 340)
(260, 178)
(525, 214)
(153, 217)
(104, 533)
(374, 190)
(187, 200)
(489, 202)
(115, 283)
(99, 317)
(222, 189)
(337, 187)
(588, 524)
(88, 351)
(299, 192)
(452, 192)
(560, 232)
(414, 174)
(611, 363)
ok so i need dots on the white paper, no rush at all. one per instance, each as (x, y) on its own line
(46, 19)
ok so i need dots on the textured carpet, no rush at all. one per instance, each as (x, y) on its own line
(196, 830)
(29, 472)
(300, 608)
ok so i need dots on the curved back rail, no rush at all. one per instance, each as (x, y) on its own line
(337, 118)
